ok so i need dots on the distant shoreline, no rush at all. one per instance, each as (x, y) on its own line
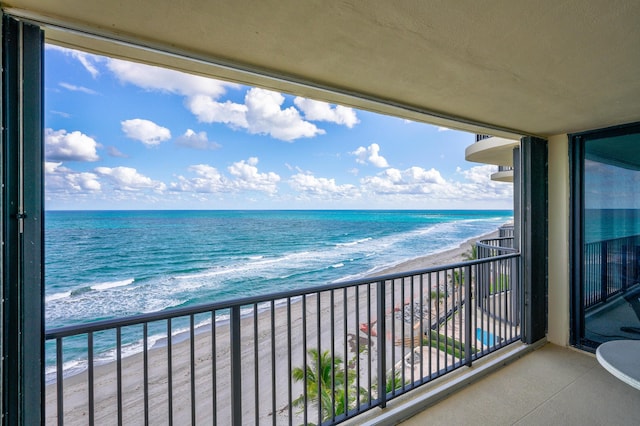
(440, 258)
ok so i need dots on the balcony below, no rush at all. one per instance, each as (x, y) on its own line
(551, 385)
(493, 150)
(504, 174)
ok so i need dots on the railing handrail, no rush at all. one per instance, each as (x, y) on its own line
(484, 241)
(102, 325)
(486, 244)
(613, 239)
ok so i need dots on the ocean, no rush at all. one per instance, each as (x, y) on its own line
(110, 264)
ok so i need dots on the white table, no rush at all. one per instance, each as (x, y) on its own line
(622, 359)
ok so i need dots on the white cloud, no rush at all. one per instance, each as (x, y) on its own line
(479, 174)
(51, 167)
(128, 179)
(207, 110)
(479, 185)
(414, 180)
(59, 179)
(416, 184)
(195, 140)
(61, 114)
(248, 177)
(308, 184)
(261, 113)
(322, 111)
(166, 80)
(370, 154)
(244, 177)
(74, 146)
(443, 129)
(86, 59)
(265, 116)
(208, 180)
(75, 88)
(145, 131)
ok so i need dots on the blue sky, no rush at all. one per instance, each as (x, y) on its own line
(122, 135)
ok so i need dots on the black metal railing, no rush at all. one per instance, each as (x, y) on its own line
(482, 137)
(318, 355)
(496, 281)
(495, 247)
(506, 231)
(610, 268)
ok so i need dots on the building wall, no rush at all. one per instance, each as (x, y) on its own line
(558, 291)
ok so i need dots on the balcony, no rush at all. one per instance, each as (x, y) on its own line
(504, 174)
(492, 150)
(549, 386)
(323, 355)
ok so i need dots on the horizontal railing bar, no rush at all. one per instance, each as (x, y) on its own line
(628, 237)
(494, 239)
(107, 324)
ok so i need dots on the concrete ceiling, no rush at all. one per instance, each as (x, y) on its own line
(539, 67)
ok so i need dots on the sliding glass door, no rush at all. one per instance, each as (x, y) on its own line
(606, 237)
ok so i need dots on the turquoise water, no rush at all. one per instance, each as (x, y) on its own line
(109, 264)
(609, 224)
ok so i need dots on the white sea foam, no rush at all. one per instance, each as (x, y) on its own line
(112, 284)
(354, 243)
(57, 296)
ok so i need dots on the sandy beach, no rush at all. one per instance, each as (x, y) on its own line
(264, 348)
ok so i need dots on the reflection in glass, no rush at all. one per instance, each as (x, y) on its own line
(611, 288)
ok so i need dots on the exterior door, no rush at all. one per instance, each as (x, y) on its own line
(606, 235)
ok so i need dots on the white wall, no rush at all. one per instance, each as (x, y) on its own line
(559, 303)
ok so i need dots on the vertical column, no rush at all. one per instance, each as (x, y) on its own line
(517, 230)
(578, 275)
(22, 223)
(517, 205)
(534, 197)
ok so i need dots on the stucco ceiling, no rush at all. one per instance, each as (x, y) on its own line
(540, 67)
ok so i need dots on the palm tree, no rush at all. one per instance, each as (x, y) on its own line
(472, 254)
(325, 373)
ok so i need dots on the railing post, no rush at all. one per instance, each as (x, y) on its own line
(469, 309)
(515, 291)
(236, 368)
(636, 262)
(625, 277)
(382, 349)
(603, 271)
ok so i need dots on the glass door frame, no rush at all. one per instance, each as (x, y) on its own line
(577, 144)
